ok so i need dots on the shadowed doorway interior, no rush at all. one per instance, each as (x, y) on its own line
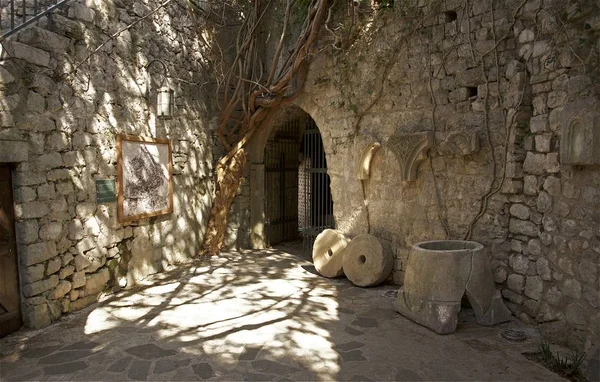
(298, 199)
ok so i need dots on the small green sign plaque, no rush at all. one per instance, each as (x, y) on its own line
(106, 191)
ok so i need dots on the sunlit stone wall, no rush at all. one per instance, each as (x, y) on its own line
(417, 68)
(59, 129)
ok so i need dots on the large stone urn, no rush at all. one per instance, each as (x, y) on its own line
(438, 274)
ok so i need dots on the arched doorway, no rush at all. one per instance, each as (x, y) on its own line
(290, 187)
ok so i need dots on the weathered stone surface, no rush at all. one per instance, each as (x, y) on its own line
(5, 77)
(81, 303)
(66, 272)
(552, 164)
(588, 271)
(31, 210)
(33, 273)
(531, 307)
(552, 186)
(519, 263)
(543, 269)
(27, 231)
(81, 12)
(81, 262)
(66, 259)
(539, 124)
(91, 227)
(544, 202)
(96, 282)
(149, 351)
(61, 289)
(530, 186)
(366, 262)
(454, 267)
(53, 265)
(500, 275)
(85, 210)
(520, 211)
(516, 283)
(523, 227)
(203, 370)
(38, 287)
(534, 163)
(32, 55)
(543, 143)
(37, 253)
(534, 287)
(37, 316)
(328, 253)
(572, 288)
(49, 161)
(535, 247)
(576, 314)
(75, 230)
(78, 279)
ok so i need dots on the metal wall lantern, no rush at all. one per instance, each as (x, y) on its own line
(165, 95)
(165, 101)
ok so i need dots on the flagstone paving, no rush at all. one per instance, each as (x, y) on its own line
(254, 316)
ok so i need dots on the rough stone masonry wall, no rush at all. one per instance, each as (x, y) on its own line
(472, 73)
(61, 136)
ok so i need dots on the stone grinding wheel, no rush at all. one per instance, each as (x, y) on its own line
(328, 253)
(367, 262)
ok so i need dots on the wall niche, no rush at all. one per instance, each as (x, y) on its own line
(580, 138)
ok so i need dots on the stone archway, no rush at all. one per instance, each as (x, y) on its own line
(261, 173)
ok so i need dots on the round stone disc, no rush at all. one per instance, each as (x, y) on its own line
(366, 261)
(327, 252)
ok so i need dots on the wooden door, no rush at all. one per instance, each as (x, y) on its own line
(10, 302)
(281, 183)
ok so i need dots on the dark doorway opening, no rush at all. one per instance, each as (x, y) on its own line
(298, 201)
(10, 295)
(281, 183)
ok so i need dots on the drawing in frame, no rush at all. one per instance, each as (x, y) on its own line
(144, 176)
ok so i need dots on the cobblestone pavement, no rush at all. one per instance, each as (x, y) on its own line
(262, 315)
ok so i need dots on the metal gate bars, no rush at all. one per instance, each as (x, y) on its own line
(315, 202)
(297, 187)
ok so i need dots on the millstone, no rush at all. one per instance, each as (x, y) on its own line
(328, 252)
(366, 261)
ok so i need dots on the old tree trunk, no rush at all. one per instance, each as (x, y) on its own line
(259, 97)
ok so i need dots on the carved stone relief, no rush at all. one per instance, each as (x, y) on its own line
(366, 148)
(410, 150)
(580, 138)
(460, 143)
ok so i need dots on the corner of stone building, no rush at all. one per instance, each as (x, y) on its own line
(60, 136)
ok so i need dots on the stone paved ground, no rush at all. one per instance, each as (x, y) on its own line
(259, 316)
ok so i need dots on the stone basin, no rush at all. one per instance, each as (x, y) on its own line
(438, 274)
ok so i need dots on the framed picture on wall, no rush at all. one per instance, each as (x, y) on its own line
(145, 177)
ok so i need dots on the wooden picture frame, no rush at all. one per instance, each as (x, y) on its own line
(144, 177)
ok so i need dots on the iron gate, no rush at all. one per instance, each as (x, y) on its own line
(315, 202)
(281, 184)
(297, 187)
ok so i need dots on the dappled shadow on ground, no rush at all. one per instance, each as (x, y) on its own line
(258, 316)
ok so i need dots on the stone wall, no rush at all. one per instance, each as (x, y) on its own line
(59, 130)
(486, 94)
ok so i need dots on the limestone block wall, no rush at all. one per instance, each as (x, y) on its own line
(485, 92)
(59, 127)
